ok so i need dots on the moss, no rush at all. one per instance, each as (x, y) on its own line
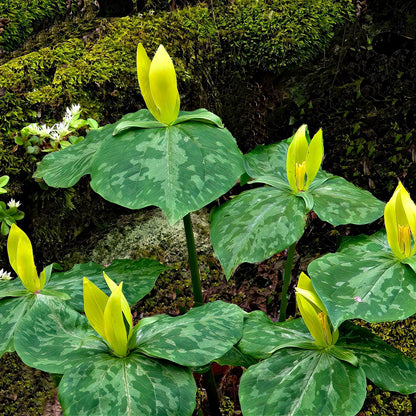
(24, 391)
(21, 19)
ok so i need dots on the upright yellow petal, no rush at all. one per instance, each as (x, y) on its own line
(296, 156)
(143, 67)
(20, 252)
(314, 157)
(392, 229)
(163, 86)
(115, 329)
(95, 301)
(125, 307)
(314, 313)
(409, 208)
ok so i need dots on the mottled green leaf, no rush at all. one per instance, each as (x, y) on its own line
(371, 286)
(11, 312)
(384, 365)
(255, 225)
(267, 161)
(357, 245)
(139, 277)
(202, 335)
(53, 337)
(132, 386)
(179, 168)
(8, 287)
(297, 382)
(236, 357)
(340, 202)
(262, 337)
(64, 168)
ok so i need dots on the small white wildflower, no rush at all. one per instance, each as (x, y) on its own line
(55, 136)
(14, 204)
(75, 109)
(44, 130)
(5, 275)
(140, 15)
(33, 129)
(62, 128)
(151, 12)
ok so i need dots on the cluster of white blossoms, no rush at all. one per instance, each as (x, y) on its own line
(14, 204)
(4, 275)
(58, 130)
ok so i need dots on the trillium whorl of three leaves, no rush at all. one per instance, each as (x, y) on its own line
(264, 221)
(142, 383)
(372, 277)
(296, 377)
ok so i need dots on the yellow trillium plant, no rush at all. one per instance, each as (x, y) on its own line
(108, 314)
(158, 84)
(20, 252)
(304, 159)
(400, 222)
(314, 313)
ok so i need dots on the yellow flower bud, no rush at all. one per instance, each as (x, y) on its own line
(106, 314)
(400, 222)
(303, 159)
(20, 252)
(314, 313)
(158, 85)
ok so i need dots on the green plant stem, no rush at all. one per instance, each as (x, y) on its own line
(212, 393)
(193, 261)
(286, 280)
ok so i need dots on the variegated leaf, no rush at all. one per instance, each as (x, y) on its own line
(12, 288)
(262, 337)
(179, 168)
(131, 386)
(53, 337)
(298, 382)
(384, 365)
(139, 277)
(12, 311)
(340, 202)
(65, 168)
(255, 225)
(202, 335)
(372, 286)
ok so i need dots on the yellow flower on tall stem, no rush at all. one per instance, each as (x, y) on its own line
(303, 159)
(158, 84)
(314, 313)
(108, 314)
(20, 252)
(400, 222)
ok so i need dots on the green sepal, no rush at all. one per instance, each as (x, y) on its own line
(343, 354)
(307, 199)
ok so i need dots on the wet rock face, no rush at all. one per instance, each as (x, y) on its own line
(111, 8)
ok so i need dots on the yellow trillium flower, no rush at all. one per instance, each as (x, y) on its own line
(20, 252)
(314, 313)
(158, 85)
(400, 222)
(107, 314)
(303, 159)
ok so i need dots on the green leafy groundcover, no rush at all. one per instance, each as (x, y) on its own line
(264, 221)
(297, 378)
(154, 378)
(138, 162)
